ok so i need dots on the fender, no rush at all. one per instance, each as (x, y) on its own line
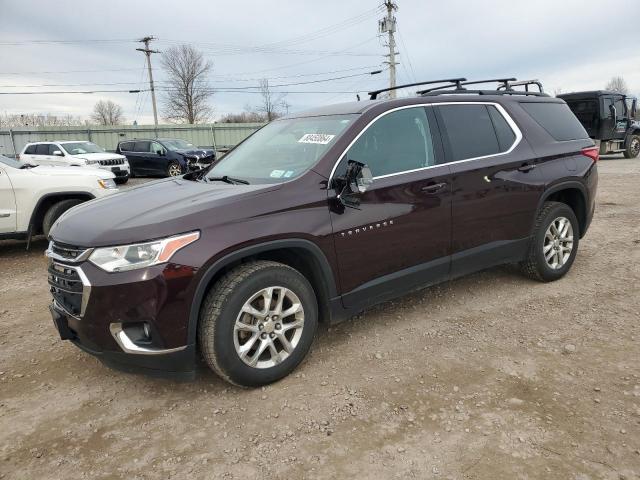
(210, 272)
(88, 196)
(558, 187)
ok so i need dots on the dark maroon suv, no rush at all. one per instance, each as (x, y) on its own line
(315, 217)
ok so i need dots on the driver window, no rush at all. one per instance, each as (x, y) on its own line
(397, 142)
(156, 148)
(619, 104)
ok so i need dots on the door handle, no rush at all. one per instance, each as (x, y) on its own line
(433, 188)
(527, 167)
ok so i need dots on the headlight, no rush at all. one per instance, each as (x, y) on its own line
(107, 184)
(92, 162)
(140, 255)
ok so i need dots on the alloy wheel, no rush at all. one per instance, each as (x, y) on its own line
(635, 147)
(174, 170)
(268, 327)
(558, 243)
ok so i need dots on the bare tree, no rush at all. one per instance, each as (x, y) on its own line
(38, 120)
(188, 92)
(557, 91)
(273, 104)
(106, 112)
(243, 117)
(617, 84)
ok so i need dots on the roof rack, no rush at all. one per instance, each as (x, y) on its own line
(452, 82)
(505, 87)
(523, 83)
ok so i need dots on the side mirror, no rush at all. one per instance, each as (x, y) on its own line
(58, 153)
(357, 180)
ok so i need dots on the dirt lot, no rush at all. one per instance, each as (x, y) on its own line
(491, 376)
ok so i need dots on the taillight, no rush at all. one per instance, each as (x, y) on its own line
(592, 152)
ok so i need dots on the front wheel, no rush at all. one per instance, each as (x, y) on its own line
(633, 147)
(174, 169)
(257, 323)
(554, 243)
(54, 213)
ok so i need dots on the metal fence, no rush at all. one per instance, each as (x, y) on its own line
(220, 136)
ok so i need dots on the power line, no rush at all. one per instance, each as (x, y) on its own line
(66, 71)
(71, 91)
(64, 42)
(406, 54)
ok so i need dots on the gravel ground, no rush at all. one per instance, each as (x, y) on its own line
(490, 376)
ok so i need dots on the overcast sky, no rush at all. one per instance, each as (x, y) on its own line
(568, 44)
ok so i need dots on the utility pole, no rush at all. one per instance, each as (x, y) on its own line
(388, 25)
(147, 51)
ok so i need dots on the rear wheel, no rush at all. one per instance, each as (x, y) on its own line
(54, 213)
(257, 323)
(633, 147)
(554, 243)
(174, 169)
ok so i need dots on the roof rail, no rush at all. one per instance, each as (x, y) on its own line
(454, 81)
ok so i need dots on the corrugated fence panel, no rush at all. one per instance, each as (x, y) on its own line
(222, 135)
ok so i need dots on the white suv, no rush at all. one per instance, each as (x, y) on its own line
(33, 198)
(76, 154)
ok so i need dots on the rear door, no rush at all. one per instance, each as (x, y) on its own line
(399, 236)
(495, 185)
(139, 156)
(43, 155)
(8, 217)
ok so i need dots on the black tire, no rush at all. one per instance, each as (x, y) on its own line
(54, 213)
(633, 147)
(173, 168)
(535, 265)
(121, 181)
(222, 307)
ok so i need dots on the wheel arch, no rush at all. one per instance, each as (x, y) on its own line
(573, 194)
(303, 255)
(45, 202)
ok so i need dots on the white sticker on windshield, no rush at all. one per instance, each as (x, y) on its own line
(288, 173)
(276, 173)
(319, 138)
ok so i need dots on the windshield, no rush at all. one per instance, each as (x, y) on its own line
(79, 148)
(10, 161)
(282, 150)
(177, 144)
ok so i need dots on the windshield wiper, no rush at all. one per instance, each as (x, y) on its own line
(227, 179)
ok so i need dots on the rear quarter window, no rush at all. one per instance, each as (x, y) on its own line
(30, 150)
(557, 119)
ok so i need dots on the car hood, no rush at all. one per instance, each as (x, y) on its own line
(71, 171)
(154, 210)
(196, 152)
(98, 156)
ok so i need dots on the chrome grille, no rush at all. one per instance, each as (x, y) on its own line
(113, 161)
(66, 252)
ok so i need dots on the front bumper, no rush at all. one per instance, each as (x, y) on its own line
(103, 313)
(120, 171)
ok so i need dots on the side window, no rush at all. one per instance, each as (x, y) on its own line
(470, 131)
(42, 149)
(126, 146)
(619, 104)
(142, 147)
(156, 148)
(31, 150)
(557, 119)
(606, 108)
(397, 142)
(506, 136)
(53, 148)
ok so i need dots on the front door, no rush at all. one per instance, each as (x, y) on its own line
(8, 222)
(138, 158)
(495, 185)
(399, 236)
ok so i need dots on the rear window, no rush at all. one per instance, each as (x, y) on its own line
(42, 149)
(557, 119)
(141, 147)
(471, 132)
